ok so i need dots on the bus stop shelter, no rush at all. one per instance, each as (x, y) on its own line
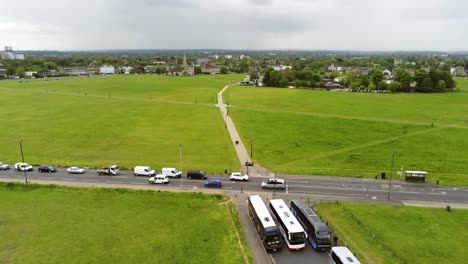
(415, 176)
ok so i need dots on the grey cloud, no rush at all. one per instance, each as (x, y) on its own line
(254, 24)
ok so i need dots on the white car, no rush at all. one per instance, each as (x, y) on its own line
(4, 166)
(75, 170)
(20, 166)
(237, 176)
(159, 179)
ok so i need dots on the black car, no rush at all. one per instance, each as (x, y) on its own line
(46, 168)
(196, 174)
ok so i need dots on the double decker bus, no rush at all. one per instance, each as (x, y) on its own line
(318, 233)
(292, 231)
(342, 255)
(264, 224)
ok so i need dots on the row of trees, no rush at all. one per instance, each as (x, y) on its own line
(422, 81)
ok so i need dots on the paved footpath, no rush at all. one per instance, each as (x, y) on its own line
(239, 146)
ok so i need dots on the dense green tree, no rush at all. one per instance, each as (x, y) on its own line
(405, 79)
(198, 70)
(394, 86)
(372, 86)
(382, 85)
(20, 71)
(224, 70)
(441, 85)
(376, 77)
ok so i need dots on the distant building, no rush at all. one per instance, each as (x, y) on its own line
(107, 69)
(9, 54)
(242, 56)
(216, 57)
(211, 69)
(281, 67)
(150, 69)
(127, 69)
(19, 56)
(458, 71)
(202, 61)
(73, 71)
(30, 74)
(228, 56)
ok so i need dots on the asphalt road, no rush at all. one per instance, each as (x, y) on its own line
(329, 188)
(357, 189)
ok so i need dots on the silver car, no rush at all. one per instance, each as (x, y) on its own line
(274, 184)
(4, 166)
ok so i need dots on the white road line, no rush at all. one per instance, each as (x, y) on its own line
(90, 180)
(298, 181)
(46, 178)
(139, 183)
(114, 182)
(121, 177)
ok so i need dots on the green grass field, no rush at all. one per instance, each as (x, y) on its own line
(50, 224)
(66, 129)
(354, 134)
(397, 234)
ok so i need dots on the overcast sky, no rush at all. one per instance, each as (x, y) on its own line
(235, 24)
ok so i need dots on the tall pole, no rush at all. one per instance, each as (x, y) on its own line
(391, 174)
(251, 148)
(180, 159)
(22, 157)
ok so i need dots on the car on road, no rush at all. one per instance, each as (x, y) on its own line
(20, 166)
(196, 174)
(159, 179)
(46, 168)
(4, 166)
(143, 170)
(75, 170)
(171, 172)
(237, 176)
(274, 184)
(213, 183)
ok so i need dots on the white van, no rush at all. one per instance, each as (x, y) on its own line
(159, 179)
(171, 172)
(143, 170)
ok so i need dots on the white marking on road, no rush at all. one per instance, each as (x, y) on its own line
(90, 180)
(227, 188)
(298, 181)
(121, 177)
(139, 183)
(45, 178)
(114, 182)
(183, 185)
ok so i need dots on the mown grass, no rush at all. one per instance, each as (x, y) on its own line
(197, 89)
(396, 234)
(50, 224)
(85, 130)
(354, 134)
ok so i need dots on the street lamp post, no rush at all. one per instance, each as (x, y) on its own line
(22, 157)
(251, 148)
(391, 174)
(180, 159)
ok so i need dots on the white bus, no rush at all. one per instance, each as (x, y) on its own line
(264, 224)
(292, 231)
(342, 255)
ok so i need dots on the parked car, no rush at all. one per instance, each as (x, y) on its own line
(143, 170)
(171, 172)
(20, 166)
(4, 166)
(237, 176)
(159, 179)
(47, 168)
(274, 184)
(213, 183)
(196, 174)
(75, 170)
